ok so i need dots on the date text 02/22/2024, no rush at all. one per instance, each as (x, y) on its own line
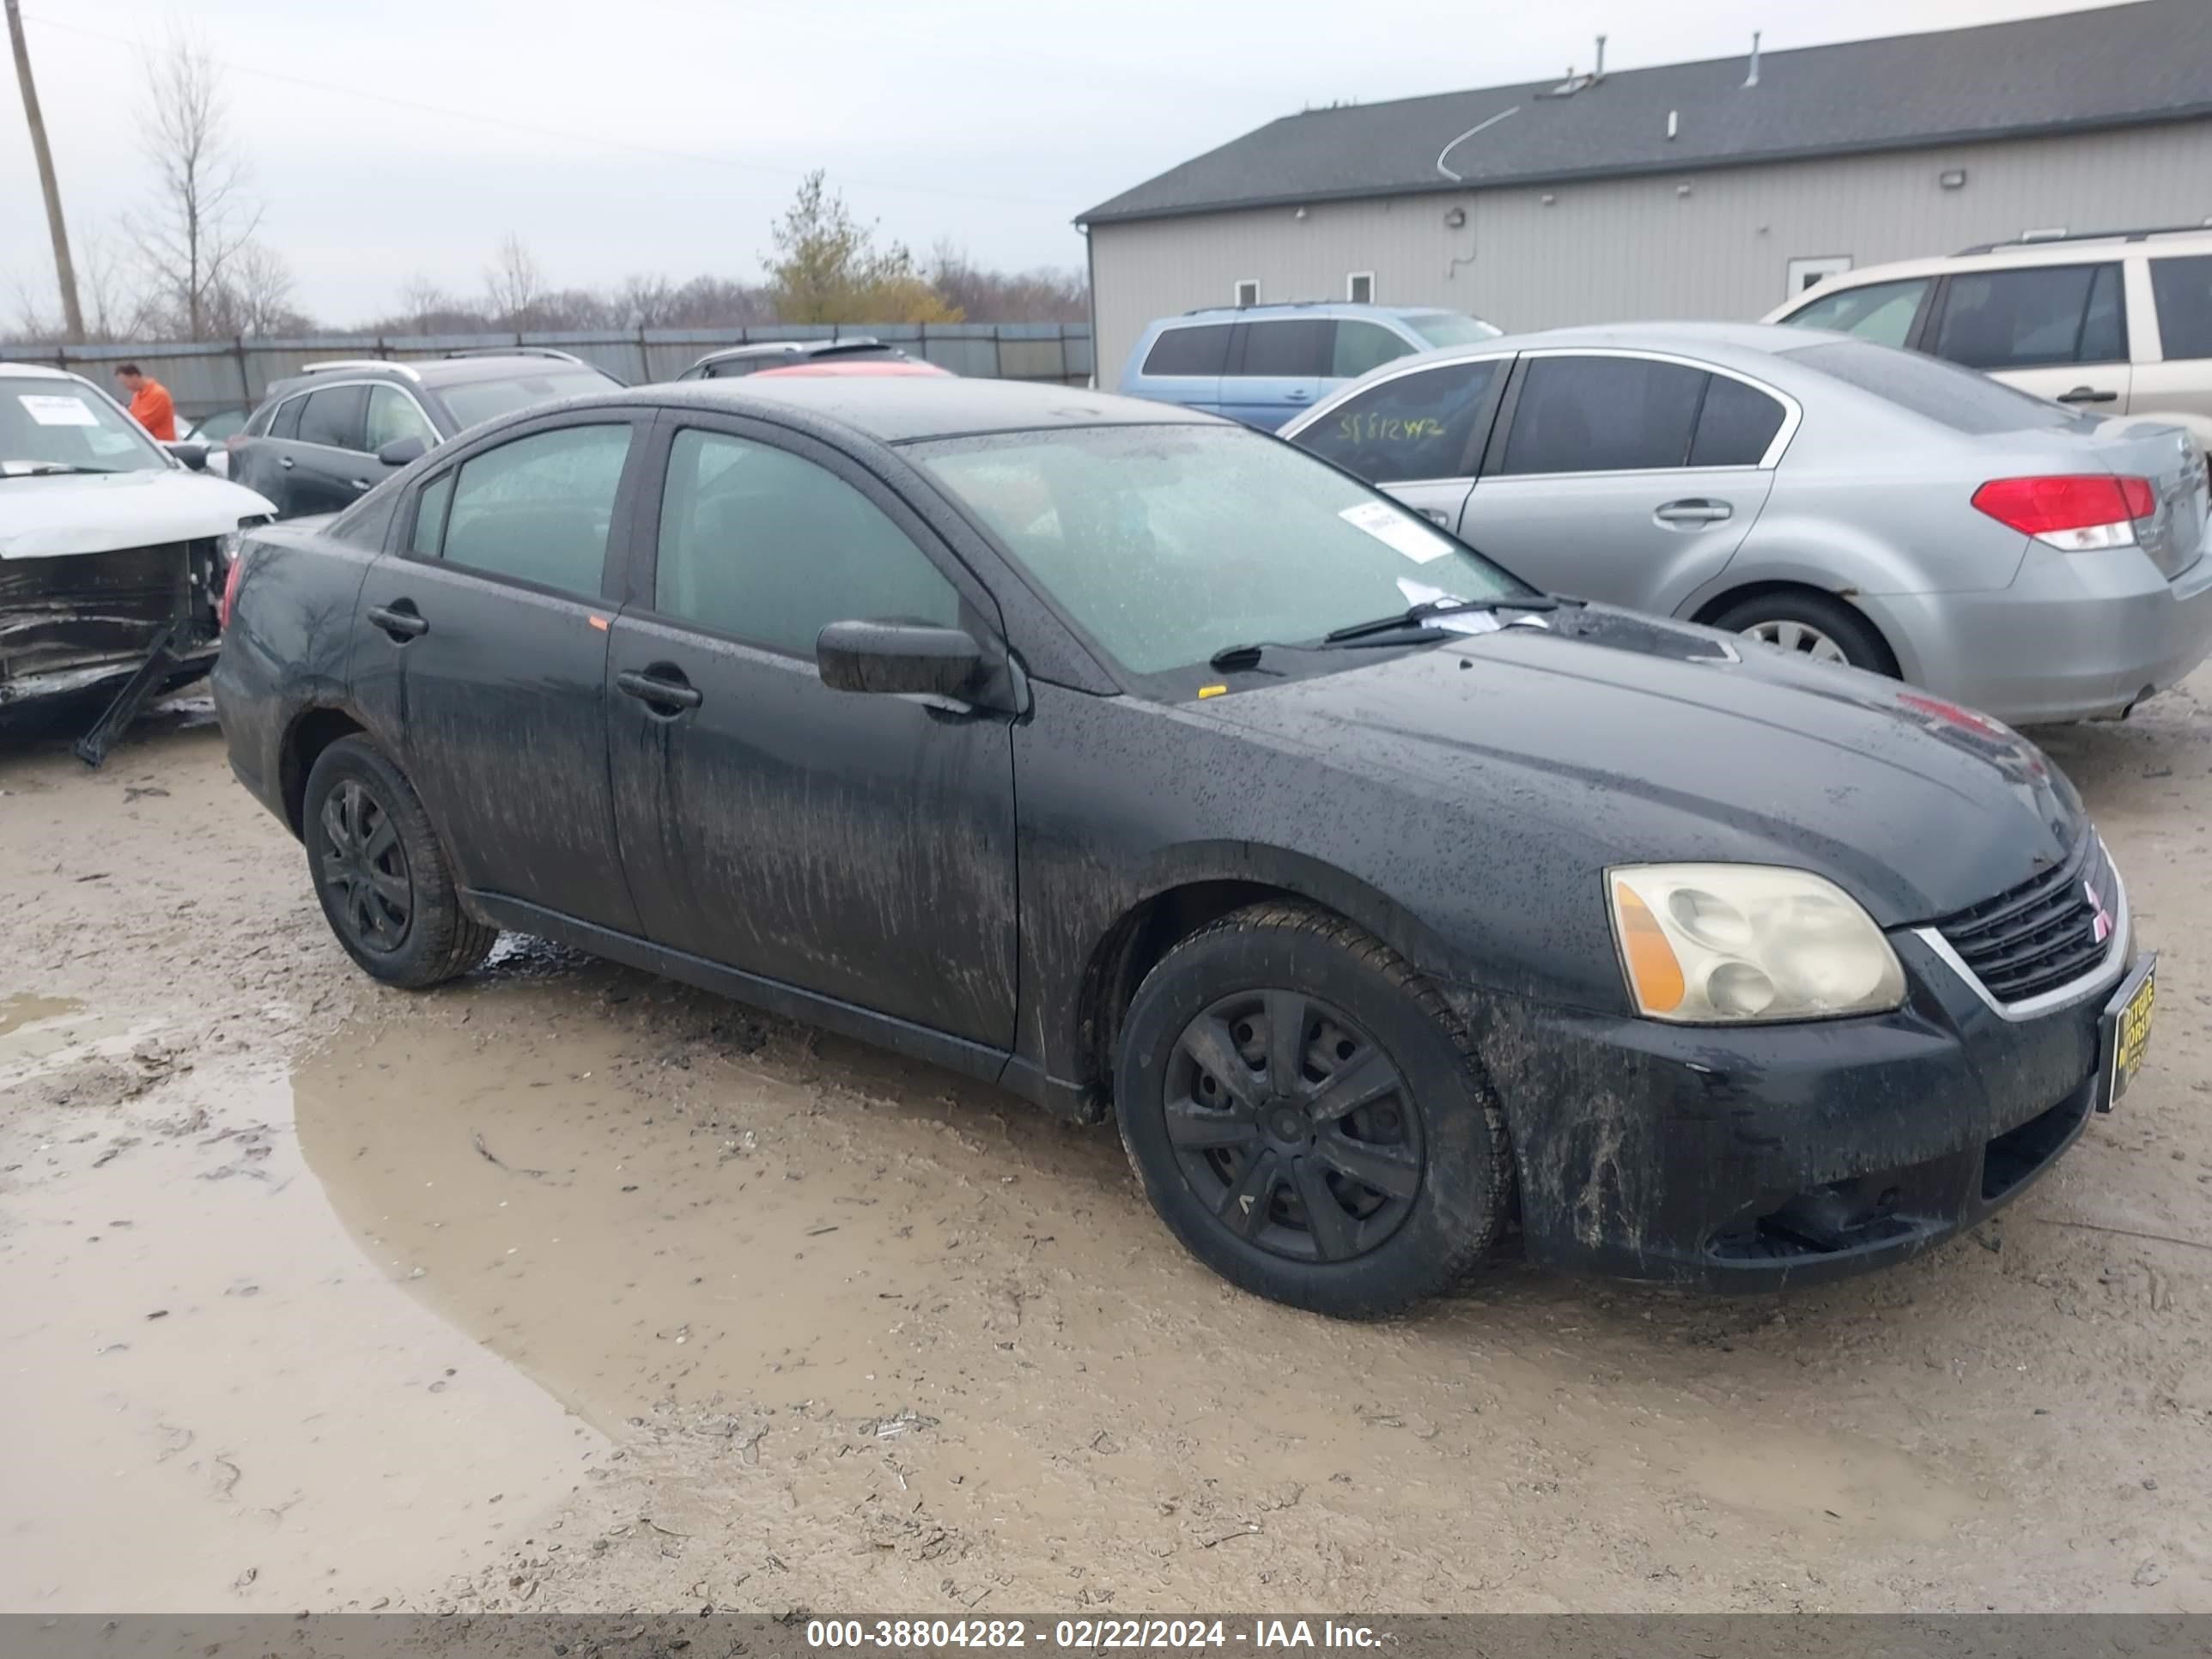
(1086, 1635)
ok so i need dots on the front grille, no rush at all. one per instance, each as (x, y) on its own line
(2043, 933)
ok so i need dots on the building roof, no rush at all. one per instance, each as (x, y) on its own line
(2079, 71)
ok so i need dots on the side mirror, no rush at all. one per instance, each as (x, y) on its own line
(401, 451)
(191, 454)
(898, 658)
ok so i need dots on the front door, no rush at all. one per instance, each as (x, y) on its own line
(857, 846)
(484, 642)
(1624, 477)
(1418, 434)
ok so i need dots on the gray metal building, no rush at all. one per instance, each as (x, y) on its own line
(1712, 189)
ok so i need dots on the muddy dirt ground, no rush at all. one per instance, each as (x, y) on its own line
(564, 1287)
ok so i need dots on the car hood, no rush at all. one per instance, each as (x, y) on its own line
(53, 515)
(1620, 739)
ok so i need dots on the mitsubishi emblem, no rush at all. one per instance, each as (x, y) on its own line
(2104, 922)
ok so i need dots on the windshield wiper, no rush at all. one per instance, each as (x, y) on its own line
(1417, 616)
(43, 469)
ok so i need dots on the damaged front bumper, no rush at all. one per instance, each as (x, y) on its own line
(1749, 1157)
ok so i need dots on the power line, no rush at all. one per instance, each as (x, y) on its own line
(598, 140)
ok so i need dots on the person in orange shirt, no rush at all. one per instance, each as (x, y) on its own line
(151, 403)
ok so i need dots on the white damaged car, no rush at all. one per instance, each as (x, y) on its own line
(114, 552)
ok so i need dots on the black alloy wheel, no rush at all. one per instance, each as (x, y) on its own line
(1293, 1126)
(363, 869)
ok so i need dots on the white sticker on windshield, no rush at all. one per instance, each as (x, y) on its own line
(57, 411)
(1394, 528)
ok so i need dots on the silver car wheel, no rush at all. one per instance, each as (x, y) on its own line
(1802, 638)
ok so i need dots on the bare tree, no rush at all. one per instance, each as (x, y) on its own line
(201, 213)
(513, 283)
(645, 302)
(254, 294)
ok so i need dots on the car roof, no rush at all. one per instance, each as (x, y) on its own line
(37, 371)
(796, 348)
(901, 409)
(1741, 345)
(1304, 308)
(431, 373)
(865, 366)
(2039, 250)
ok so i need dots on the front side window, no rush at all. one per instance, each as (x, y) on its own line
(333, 418)
(766, 547)
(2183, 289)
(392, 415)
(1292, 349)
(48, 423)
(2031, 318)
(538, 509)
(1362, 346)
(430, 516)
(1166, 543)
(1880, 311)
(1419, 425)
(1203, 350)
(1603, 415)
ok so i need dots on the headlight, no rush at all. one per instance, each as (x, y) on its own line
(1710, 944)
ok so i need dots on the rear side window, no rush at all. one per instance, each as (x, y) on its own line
(2027, 318)
(286, 423)
(1421, 425)
(538, 509)
(1736, 426)
(1880, 311)
(1603, 415)
(1362, 346)
(1203, 350)
(1295, 348)
(763, 545)
(334, 418)
(1939, 391)
(2184, 291)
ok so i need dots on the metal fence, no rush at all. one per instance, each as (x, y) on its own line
(207, 375)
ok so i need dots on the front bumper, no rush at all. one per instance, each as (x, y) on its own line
(29, 693)
(2075, 636)
(1754, 1157)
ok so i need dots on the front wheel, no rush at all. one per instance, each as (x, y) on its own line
(386, 888)
(1308, 1117)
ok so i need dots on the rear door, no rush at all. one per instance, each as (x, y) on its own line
(1419, 433)
(483, 643)
(2059, 332)
(326, 459)
(259, 463)
(1276, 367)
(1183, 365)
(859, 848)
(1626, 476)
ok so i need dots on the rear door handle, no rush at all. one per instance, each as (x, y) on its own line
(359, 483)
(2088, 394)
(1296, 397)
(400, 619)
(663, 697)
(284, 461)
(1437, 516)
(1693, 513)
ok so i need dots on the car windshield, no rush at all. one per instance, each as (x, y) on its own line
(47, 424)
(474, 401)
(1167, 543)
(1450, 328)
(1936, 390)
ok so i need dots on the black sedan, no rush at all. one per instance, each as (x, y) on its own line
(1162, 773)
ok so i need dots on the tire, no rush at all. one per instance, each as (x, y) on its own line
(1804, 621)
(385, 883)
(1434, 1141)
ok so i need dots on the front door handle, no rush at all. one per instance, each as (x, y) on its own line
(663, 695)
(284, 461)
(2088, 394)
(400, 619)
(1693, 513)
(1437, 516)
(359, 483)
(1296, 397)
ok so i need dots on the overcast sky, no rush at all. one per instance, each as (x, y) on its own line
(665, 135)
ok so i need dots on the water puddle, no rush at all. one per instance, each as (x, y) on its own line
(233, 1406)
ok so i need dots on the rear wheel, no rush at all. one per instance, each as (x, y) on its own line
(1308, 1117)
(1812, 626)
(386, 888)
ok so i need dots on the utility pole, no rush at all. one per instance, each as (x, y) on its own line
(64, 271)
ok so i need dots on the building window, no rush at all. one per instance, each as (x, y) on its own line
(1359, 288)
(1248, 293)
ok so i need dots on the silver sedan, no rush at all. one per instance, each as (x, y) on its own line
(1828, 495)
